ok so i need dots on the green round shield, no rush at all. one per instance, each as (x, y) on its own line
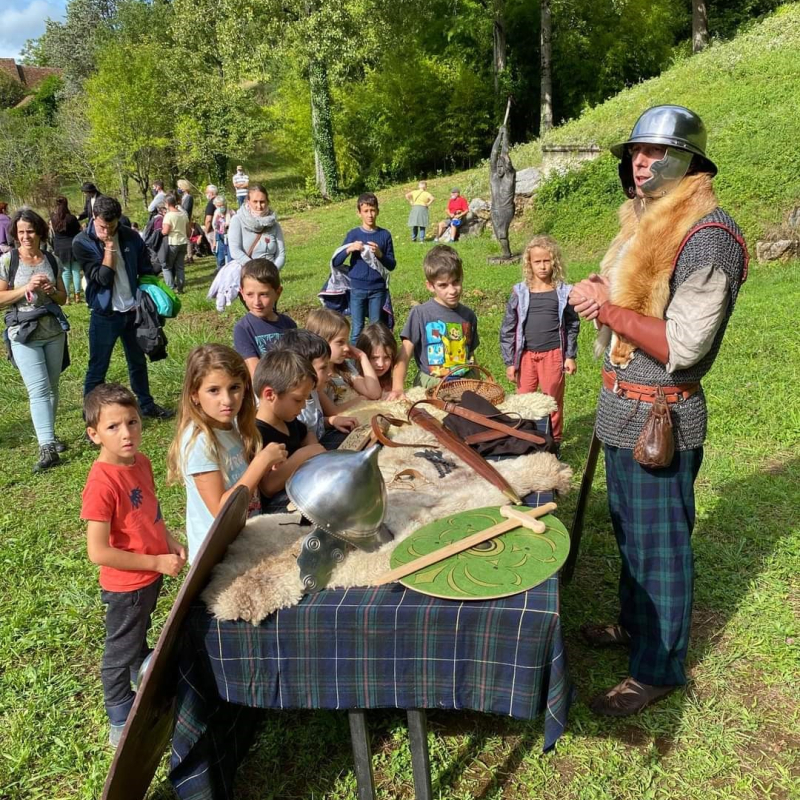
(511, 562)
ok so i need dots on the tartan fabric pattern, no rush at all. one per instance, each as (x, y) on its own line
(653, 515)
(376, 647)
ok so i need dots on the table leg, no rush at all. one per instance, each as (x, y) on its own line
(359, 737)
(420, 759)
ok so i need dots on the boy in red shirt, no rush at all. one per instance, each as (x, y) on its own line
(127, 538)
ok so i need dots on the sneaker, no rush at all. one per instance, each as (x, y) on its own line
(48, 457)
(59, 445)
(115, 735)
(157, 412)
(435, 238)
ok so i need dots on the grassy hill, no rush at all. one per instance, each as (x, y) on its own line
(733, 735)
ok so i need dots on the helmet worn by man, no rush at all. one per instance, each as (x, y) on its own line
(668, 287)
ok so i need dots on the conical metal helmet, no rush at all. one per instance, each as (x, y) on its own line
(678, 129)
(342, 492)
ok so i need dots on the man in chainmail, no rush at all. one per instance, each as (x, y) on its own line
(667, 289)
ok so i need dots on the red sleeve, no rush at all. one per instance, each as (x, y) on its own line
(99, 502)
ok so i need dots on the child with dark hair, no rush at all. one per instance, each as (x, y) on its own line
(371, 253)
(283, 382)
(126, 536)
(380, 347)
(258, 330)
(442, 334)
(320, 415)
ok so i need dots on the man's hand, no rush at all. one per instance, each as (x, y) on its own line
(511, 373)
(570, 366)
(170, 564)
(354, 247)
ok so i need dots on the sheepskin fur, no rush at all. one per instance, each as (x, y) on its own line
(259, 574)
(640, 260)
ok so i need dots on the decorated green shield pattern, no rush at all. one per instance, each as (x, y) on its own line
(511, 562)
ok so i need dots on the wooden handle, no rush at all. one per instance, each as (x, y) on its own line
(459, 547)
(528, 520)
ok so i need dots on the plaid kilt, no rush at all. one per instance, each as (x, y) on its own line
(653, 515)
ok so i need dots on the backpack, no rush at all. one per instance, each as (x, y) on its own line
(150, 334)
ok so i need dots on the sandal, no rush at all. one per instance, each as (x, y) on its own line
(605, 635)
(627, 698)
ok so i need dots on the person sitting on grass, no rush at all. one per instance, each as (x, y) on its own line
(442, 334)
(127, 538)
(320, 415)
(283, 383)
(258, 330)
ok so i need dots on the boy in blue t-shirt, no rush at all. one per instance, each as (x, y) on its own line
(368, 290)
(258, 330)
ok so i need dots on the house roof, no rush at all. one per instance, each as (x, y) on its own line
(29, 77)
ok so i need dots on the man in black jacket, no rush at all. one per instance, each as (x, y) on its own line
(113, 257)
(91, 193)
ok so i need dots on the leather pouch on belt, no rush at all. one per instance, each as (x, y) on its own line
(655, 446)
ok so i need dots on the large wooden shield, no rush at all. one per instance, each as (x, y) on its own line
(510, 563)
(149, 727)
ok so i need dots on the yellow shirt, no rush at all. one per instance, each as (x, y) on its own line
(177, 221)
(421, 197)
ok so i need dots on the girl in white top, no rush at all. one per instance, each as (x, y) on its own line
(217, 446)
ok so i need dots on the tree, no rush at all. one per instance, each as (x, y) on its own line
(546, 95)
(129, 112)
(699, 25)
(499, 43)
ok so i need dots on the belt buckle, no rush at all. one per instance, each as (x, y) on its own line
(615, 388)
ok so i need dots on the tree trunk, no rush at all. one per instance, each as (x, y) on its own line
(123, 186)
(499, 43)
(546, 110)
(699, 25)
(327, 173)
(220, 170)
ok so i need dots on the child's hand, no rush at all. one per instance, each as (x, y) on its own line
(170, 564)
(396, 395)
(570, 367)
(354, 247)
(343, 424)
(511, 373)
(175, 547)
(354, 352)
(375, 249)
(274, 454)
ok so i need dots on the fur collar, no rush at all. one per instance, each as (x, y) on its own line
(639, 262)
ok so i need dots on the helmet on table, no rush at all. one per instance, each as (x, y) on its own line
(681, 132)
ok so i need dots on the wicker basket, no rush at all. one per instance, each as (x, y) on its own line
(452, 389)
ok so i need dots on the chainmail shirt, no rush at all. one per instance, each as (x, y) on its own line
(619, 420)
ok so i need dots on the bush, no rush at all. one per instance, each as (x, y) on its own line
(11, 91)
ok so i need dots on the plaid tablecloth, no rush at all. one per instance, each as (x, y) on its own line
(380, 647)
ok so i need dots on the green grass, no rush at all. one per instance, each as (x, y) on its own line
(733, 734)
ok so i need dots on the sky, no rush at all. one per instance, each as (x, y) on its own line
(21, 20)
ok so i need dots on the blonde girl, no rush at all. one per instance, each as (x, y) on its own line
(539, 333)
(378, 342)
(334, 328)
(217, 446)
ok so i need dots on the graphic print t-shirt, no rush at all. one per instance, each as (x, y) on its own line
(253, 336)
(443, 337)
(125, 497)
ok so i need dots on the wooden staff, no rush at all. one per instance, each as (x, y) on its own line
(520, 518)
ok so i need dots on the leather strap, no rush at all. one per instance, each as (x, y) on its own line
(487, 422)
(739, 240)
(384, 439)
(647, 394)
(253, 246)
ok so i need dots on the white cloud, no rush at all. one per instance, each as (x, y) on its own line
(17, 25)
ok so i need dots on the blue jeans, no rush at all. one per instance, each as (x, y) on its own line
(71, 273)
(241, 200)
(104, 330)
(222, 251)
(39, 362)
(414, 230)
(362, 304)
